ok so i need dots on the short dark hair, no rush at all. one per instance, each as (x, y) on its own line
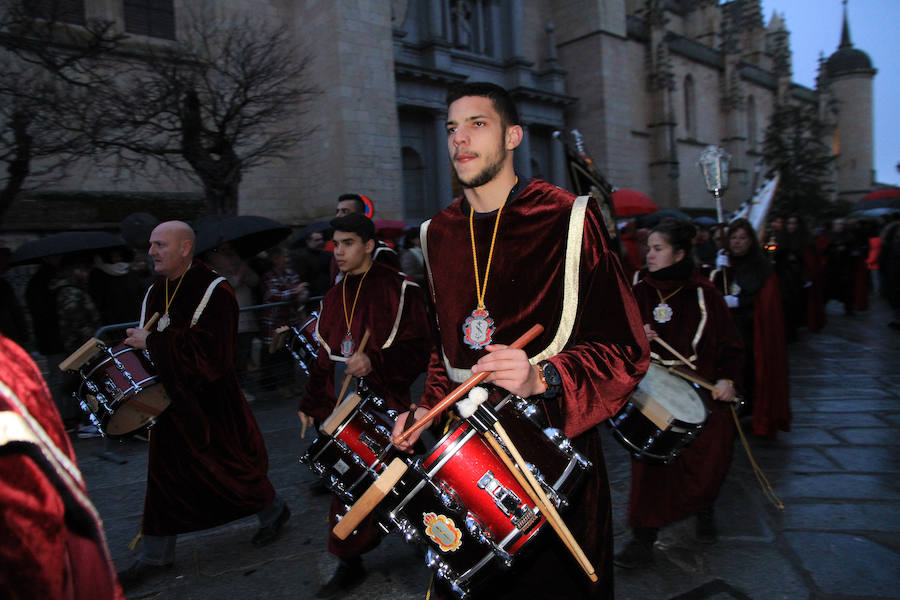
(357, 199)
(499, 97)
(356, 223)
(678, 233)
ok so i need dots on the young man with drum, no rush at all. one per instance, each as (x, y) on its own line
(683, 311)
(511, 253)
(375, 303)
(197, 476)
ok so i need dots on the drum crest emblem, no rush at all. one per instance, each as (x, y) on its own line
(442, 531)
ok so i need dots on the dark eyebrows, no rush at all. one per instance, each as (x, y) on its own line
(472, 118)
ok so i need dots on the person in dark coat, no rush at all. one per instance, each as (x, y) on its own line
(751, 289)
(208, 463)
(115, 288)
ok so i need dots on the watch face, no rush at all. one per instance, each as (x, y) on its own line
(551, 374)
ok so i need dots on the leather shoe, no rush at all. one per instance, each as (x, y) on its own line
(636, 554)
(348, 575)
(139, 571)
(268, 534)
(706, 530)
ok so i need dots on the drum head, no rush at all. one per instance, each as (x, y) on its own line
(674, 394)
(138, 411)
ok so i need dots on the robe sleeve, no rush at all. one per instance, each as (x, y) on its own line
(407, 356)
(608, 353)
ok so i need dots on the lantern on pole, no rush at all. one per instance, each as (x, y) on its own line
(714, 163)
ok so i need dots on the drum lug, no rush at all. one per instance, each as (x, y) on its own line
(434, 561)
(371, 444)
(407, 530)
(476, 528)
(449, 497)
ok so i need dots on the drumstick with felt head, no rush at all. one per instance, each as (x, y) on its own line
(464, 387)
(519, 469)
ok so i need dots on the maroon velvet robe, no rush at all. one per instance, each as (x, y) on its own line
(392, 308)
(601, 351)
(208, 463)
(53, 544)
(663, 494)
(766, 338)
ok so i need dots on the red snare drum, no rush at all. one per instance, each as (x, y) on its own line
(465, 507)
(353, 447)
(121, 391)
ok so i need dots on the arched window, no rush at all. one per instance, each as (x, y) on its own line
(690, 109)
(751, 124)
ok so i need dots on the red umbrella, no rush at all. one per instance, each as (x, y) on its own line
(389, 228)
(890, 192)
(629, 203)
(883, 198)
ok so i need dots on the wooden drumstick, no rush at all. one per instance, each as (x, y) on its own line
(702, 382)
(691, 377)
(150, 322)
(346, 384)
(370, 499)
(674, 352)
(464, 387)
(534, 490)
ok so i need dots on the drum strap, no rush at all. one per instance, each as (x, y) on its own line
(200, 307)
(698, 334)
(205, 300)
(570, 287)
(391, 336)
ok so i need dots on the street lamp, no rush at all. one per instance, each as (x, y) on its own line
(714, 167)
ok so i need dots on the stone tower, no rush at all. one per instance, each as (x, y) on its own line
(848, 76)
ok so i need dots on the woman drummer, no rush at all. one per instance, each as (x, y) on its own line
(680, 307)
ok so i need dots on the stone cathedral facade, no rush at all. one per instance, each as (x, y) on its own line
(648, 83)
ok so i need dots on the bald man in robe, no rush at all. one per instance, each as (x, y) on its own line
(208, 463)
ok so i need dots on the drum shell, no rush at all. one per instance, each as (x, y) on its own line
(350, 459)
(125, 377)
(643, 435)
(445, 485)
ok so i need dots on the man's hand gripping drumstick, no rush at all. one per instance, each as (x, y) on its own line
(137, 337)
(507, 356)
(358, 365)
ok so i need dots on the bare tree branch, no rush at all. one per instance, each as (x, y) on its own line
(227, 97)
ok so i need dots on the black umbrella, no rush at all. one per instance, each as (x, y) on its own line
(68, 242)
(655, 217)
(247, 234)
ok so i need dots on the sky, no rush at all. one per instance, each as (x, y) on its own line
(815, 27)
